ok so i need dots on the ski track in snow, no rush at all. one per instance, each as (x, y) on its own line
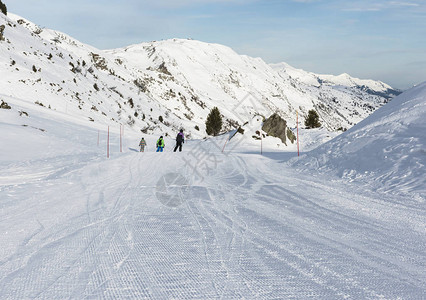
(251, 229)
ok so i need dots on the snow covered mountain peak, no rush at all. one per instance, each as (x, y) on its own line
(160, 86)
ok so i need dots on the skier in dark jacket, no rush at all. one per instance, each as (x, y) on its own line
(180, 139)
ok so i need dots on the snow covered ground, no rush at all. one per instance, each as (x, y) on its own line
(387, 150)
(201, 224)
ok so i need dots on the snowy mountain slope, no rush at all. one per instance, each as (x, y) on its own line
(200, 224)
(386, 150)
(54, 70)
(218, 75)
(343, 80)
(159, 87)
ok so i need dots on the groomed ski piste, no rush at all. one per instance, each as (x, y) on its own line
(206, 224)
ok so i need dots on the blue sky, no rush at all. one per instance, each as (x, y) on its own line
(370, 39)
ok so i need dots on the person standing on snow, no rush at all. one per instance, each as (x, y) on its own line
(179, 141)
(160, 144)
(142, 144)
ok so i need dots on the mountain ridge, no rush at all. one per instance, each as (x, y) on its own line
(178, 80)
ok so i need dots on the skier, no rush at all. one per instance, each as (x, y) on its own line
(142, 144)
(160, 144)
(179, 140)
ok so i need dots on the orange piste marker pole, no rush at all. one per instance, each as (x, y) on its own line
(108, 144)
(121, 143)
(297, 125)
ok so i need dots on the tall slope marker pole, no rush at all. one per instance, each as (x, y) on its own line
(121, 143)
(108, 144)
(261, 139)
(297, 125)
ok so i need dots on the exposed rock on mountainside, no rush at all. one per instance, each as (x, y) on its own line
(275, 126)
(2, 27)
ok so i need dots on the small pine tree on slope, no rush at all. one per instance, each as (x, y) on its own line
(214, 122)
(3, 8)
(312, 120)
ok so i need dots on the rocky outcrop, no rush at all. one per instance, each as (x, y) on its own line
(276, 126)
(2, 27)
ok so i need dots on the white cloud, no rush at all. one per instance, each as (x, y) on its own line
(363, 8)
(305, 1)
(181, 3)
(399, 3)
(377, 5)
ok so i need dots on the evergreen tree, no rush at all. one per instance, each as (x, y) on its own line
(214, 122)
(312, 120)
(3, 8)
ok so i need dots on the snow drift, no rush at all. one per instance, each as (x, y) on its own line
(387, 150)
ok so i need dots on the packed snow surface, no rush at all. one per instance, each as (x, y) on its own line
(217, 220)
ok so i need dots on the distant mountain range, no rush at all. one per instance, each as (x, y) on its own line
(161, 86)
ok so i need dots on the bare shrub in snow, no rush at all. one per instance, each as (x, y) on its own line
(4, 105)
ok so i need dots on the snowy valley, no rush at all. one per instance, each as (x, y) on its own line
(220, 220)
